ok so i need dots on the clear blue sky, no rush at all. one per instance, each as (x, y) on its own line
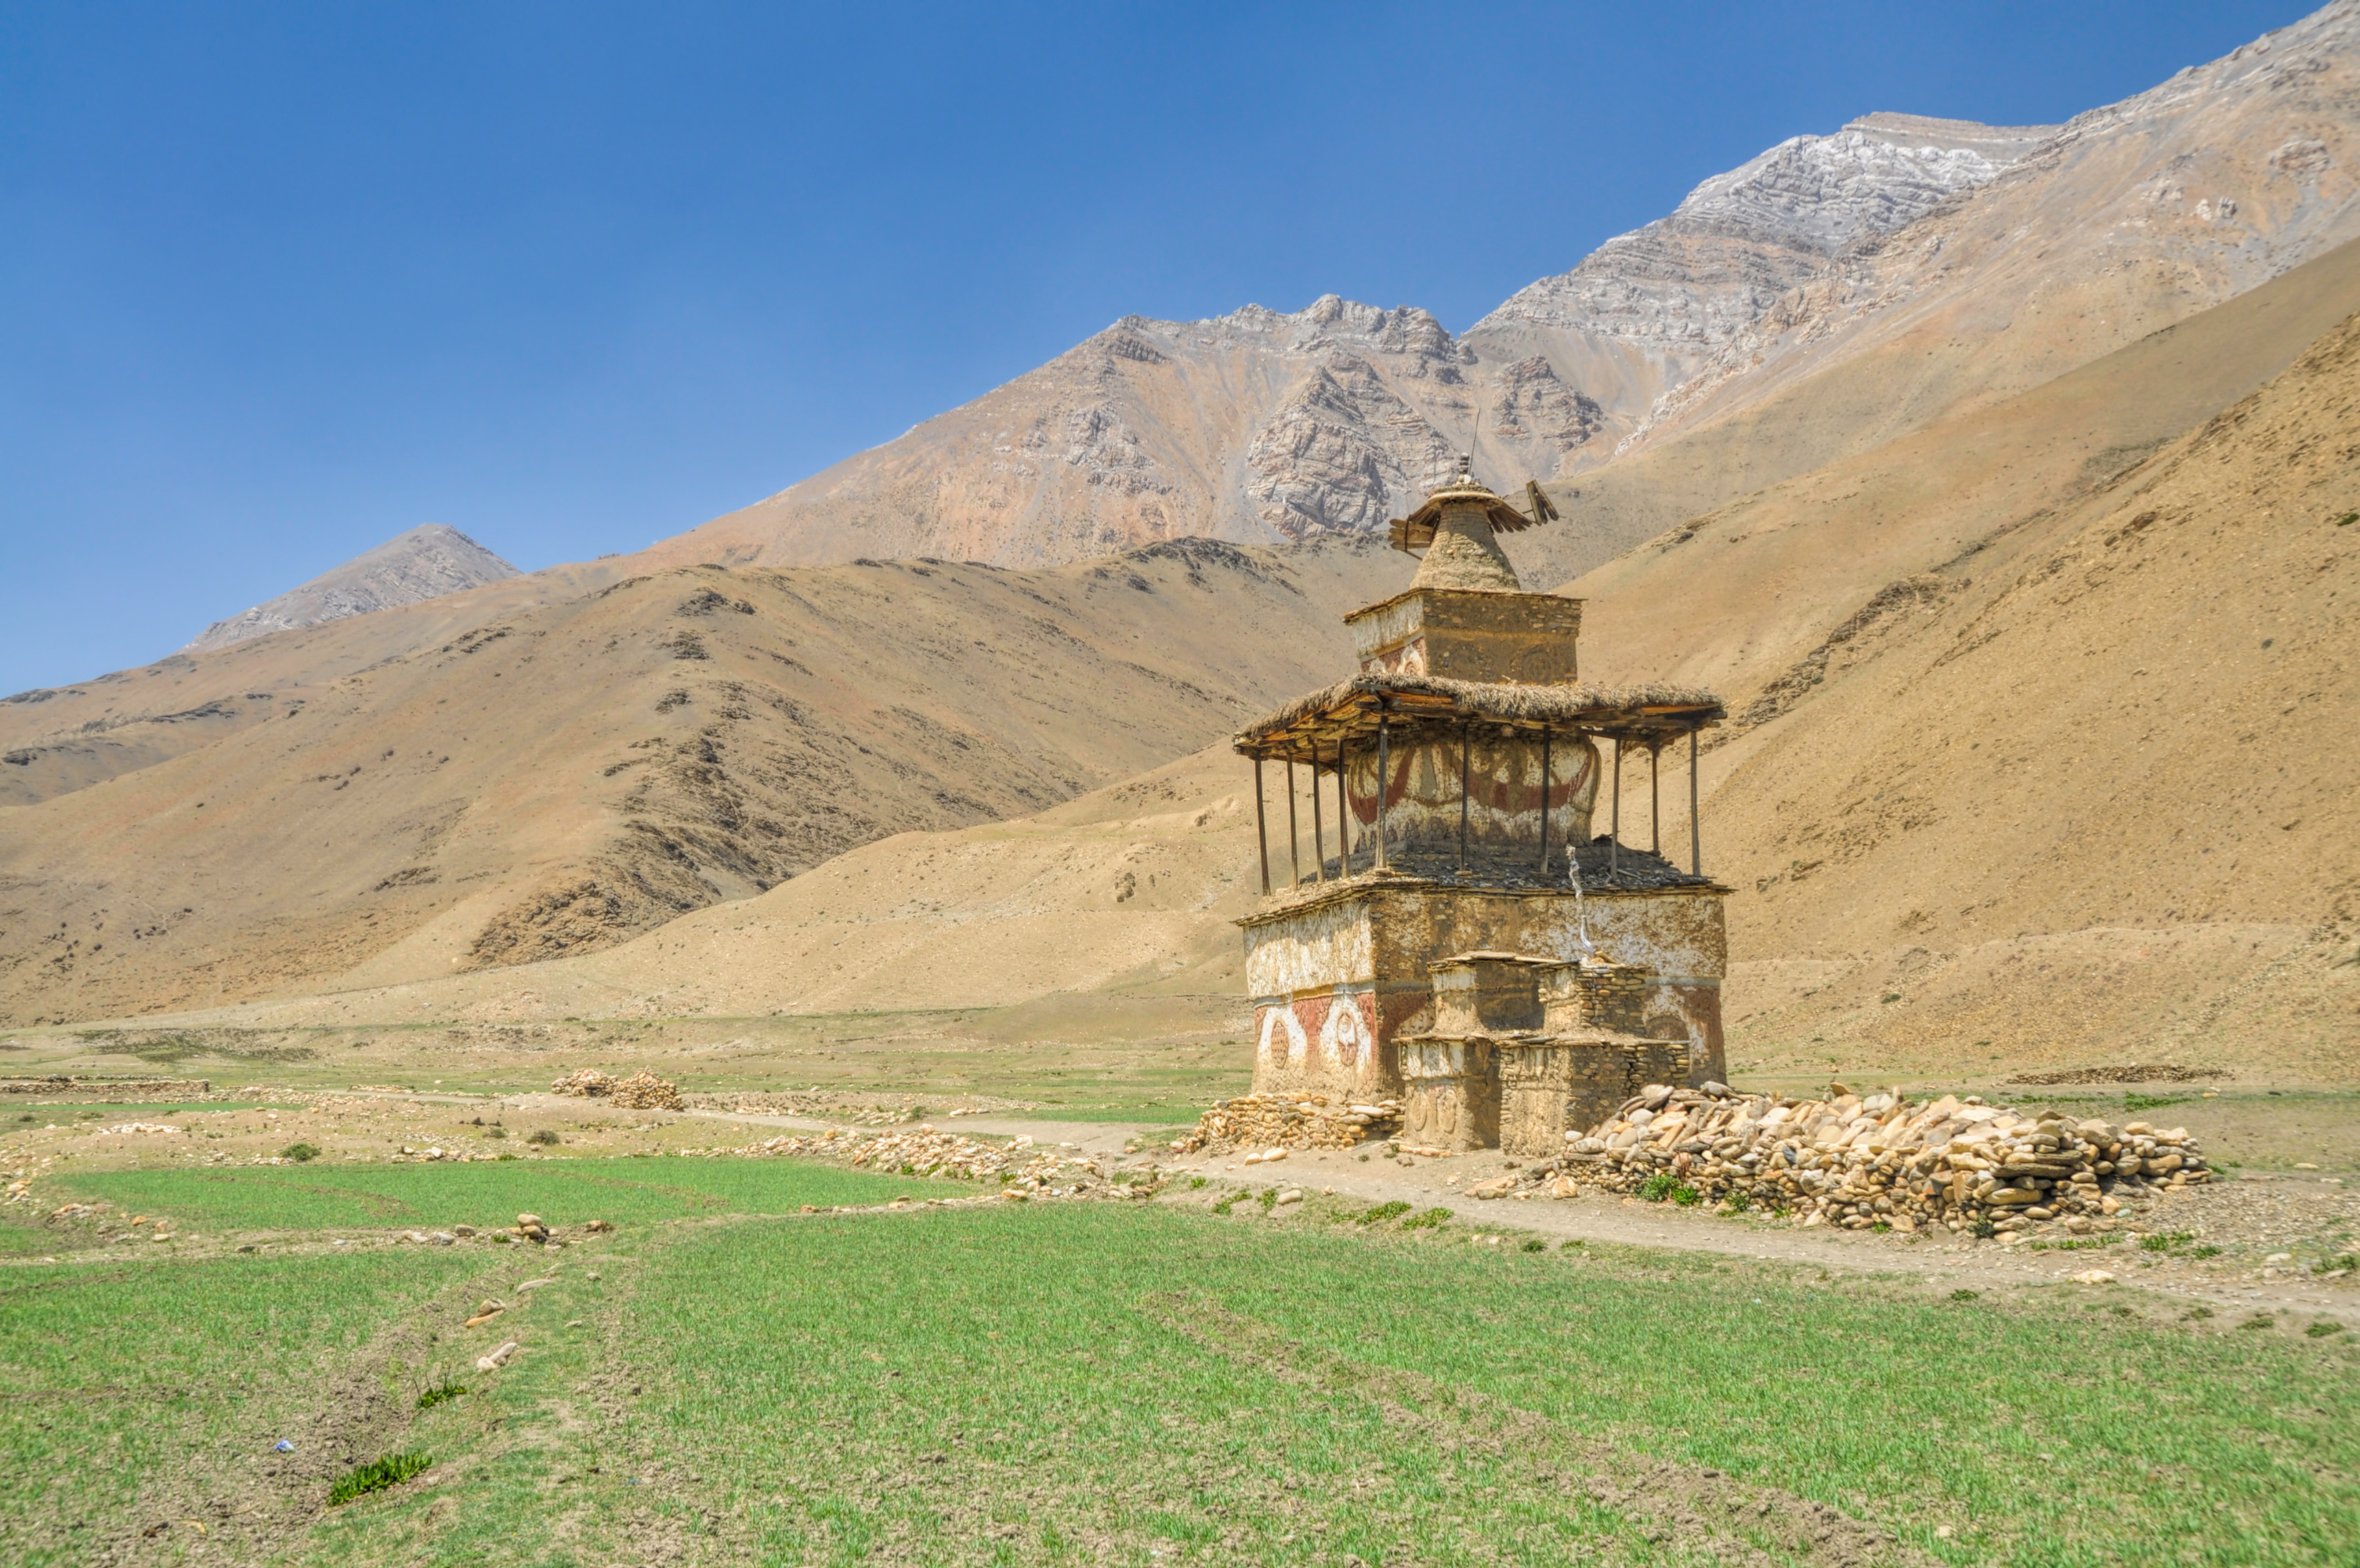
(278, 282)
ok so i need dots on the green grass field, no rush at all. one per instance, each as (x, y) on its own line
(484, 1193)
(1129, 1383)
(1158, 1114)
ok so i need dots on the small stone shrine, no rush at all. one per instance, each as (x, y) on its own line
(1444, 928)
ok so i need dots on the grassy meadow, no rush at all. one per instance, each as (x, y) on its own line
(726, 1379)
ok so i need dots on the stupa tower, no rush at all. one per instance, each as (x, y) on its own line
(1442, 926)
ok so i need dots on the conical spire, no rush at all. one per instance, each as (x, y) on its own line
(1465, 553)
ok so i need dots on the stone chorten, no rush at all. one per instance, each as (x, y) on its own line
(1460, 940)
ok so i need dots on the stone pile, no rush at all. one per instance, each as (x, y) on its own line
(1859, 1161)
(640, 1091)
(1291, 1121)
(1017, 1167)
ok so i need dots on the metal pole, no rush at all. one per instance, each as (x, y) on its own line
(1318, 828)
(1545, 764)
(1656, 796)
(1343, 814)
(1466, 726)
(1695, 832)
(1294, 834)
(1614, 834)
(1261, 829)
(1384, 783)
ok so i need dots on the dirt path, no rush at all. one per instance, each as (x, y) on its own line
(1948, 1264)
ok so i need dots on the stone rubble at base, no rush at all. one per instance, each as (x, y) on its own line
(1291, 1121)
(1859, 1161)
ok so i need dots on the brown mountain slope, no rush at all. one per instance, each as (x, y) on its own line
(2049, 802)
(560, 779)
(1123, 894)
(1760, 584)
(1932, 267)
(56, 739)
(2080, 787)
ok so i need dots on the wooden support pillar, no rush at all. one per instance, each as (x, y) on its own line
(1343, 815)
(1318, 828)
(1614, 832)
(1546, 764)
(1695, 832)
(1654, 799)
(1384, 783)
(1261, 829)
(1294, 834)
(1466, 729)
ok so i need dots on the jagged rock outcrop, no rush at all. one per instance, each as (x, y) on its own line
(423, 564)
(1646, 311)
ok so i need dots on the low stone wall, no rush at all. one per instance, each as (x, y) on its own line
(66, 1087)
(1289, 1121)
(1860, 1161)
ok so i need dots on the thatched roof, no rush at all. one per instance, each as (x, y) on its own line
(1350, 711)
(1416, 530)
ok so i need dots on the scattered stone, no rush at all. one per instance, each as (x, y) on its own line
(2135, 1072)
(1292, 1195)
(497, 1358)
(2094, 1277)
(640, 1091)
(1858, 1161)
(1291, 1121)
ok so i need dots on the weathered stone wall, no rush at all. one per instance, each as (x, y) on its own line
(1582, 998)
(1553, 1087)
(1450, 1097)
(1339, 977)
(1471, 636)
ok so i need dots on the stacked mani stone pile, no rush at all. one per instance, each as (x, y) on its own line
(640, 1091)
(1858, 1162)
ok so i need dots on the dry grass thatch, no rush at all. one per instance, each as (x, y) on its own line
(1351, 707)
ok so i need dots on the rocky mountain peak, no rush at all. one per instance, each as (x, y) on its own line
(1877, 174)
(429, 561)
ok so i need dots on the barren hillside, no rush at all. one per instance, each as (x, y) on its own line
(2040, 761)
(55, 739)
(558, 779)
